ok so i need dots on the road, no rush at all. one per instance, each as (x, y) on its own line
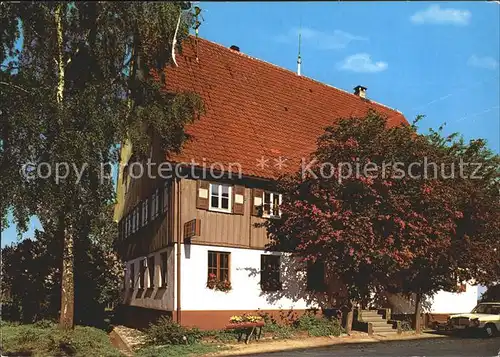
(452, 347)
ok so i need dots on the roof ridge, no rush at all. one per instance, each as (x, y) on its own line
(291, 72)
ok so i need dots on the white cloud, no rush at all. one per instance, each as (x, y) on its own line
(362, 63)
(483, 62)
(335, 40)
(434, 14)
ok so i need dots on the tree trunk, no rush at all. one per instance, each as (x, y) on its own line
(349, 317)
(66, 319)
(418, 298)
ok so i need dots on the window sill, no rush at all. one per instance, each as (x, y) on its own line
(271, 217)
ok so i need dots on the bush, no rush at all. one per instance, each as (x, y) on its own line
(222, 335)
(279, 331)
(318, 326)
(44, 324)
(166, 331)
(33, 340)
(406, 325)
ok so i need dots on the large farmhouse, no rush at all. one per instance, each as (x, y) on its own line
(191, 243)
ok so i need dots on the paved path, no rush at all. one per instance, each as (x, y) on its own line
(449, 347)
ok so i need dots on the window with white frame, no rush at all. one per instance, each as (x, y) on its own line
(131, 276)
(220, 197)
(272, 202)
(151, 271)
(145, 212)
(142, 273)
(166, 188)
(155, 204)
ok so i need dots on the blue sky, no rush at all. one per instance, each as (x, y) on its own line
(437, 59)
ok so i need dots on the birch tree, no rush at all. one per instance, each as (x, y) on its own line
(77, 81)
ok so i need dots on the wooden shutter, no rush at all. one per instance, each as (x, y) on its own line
(257, 197)
(202, 194)
(192, 229)
(238, 199)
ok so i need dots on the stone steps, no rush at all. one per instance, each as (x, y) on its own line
(379, 324)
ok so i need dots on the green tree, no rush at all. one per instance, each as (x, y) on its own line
(31, 275)
(83, 82)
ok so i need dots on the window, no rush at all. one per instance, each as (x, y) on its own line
(136, 218)
(272, 202)
(220, 197)
(132, 222)
(145, 212)
(151, 271)
(166, 189)
(163, 264)
(127, 223)
(142, 271)
(155, 204)
(218, 264)
(270, 272)
(131, 276)
(316, 276)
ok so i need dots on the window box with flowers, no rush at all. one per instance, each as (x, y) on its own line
(219, 271)
(242, 321)
(248, 325)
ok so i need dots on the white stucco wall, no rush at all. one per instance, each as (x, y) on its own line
(246, 293)
(446, 302)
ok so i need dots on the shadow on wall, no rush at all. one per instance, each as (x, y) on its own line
(293, 278)
(400, 304)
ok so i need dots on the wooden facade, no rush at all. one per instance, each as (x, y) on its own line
(241, 228)
(223, 229)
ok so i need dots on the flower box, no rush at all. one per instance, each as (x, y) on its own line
(240, 325)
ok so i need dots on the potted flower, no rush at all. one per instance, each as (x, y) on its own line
(245, 321)
(216, 284)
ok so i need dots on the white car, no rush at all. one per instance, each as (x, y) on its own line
(485, 315)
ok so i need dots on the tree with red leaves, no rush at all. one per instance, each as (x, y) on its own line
(473, 250)
(368, 206)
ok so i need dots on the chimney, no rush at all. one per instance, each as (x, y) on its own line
(360, 91)
(235, 48)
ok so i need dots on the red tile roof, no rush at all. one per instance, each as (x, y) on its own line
(255, 110)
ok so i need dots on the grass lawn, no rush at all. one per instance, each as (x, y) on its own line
(179, 350)
(45, 339)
